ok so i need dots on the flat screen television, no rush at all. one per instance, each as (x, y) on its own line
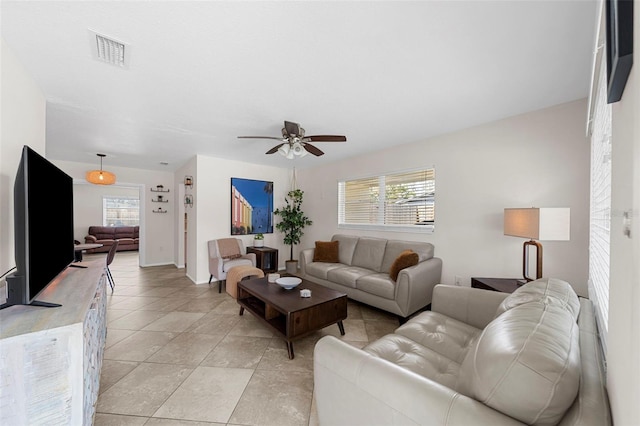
(43, 225)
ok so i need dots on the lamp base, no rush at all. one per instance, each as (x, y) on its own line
(525, 259)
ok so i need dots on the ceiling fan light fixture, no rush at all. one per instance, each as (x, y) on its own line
(284, 150)
(100, 177)
(297, 148)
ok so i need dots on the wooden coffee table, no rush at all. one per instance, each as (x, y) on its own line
(288, 314)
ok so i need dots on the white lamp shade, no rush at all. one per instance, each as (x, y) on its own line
(544, 224)
(284, 149)
(297, 148)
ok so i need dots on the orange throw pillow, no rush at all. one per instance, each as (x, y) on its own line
(404, 260)
(326, 251)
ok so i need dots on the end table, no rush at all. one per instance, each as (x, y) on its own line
(505, 285)
(266, 258)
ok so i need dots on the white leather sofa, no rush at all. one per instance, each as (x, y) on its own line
(477, 358)
(363, 273)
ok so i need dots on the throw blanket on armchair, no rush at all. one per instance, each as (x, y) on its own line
(229, 248)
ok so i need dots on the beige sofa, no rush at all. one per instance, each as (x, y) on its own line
(363, 273)
(477, 358)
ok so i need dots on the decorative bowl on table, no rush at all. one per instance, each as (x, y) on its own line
(288, 282)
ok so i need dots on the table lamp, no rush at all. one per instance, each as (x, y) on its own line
(546, 224)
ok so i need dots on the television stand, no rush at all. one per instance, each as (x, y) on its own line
(59, 349)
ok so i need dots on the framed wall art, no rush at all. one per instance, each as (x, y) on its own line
(251, 206)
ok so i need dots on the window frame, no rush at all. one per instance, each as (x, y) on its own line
(105, 199)
(380, 226)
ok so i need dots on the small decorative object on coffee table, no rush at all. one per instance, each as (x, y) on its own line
(288, 283)
(288, 314)
(505, 285)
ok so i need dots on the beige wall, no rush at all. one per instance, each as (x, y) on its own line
(538, 159)
(213, 208)
(22, 122)
(623, 340)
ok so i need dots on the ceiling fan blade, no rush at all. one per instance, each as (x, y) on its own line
(312, 149)
(326, 138)
(292, 128)
(274, 149)
(259, 137)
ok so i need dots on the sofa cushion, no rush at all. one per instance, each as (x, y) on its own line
(348, 275)
(406, 353)
(406, 259)
(446, 336)
(124, 232)
(346, 247)
(526, 364)
(369, 253)
(321, 269)
(378, 284)
(326, 251)
(546, 290)
(102, 232)
(395, 247)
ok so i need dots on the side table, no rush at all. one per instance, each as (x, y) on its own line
(505, 285)
(266, 258)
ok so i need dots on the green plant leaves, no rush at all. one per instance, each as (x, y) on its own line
(293, 219)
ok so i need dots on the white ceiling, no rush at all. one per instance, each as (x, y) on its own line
(202, 73)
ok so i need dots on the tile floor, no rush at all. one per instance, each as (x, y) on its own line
(179, 354)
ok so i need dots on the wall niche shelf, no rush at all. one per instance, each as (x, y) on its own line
(159, 201)
(159, 211)
(159, 190)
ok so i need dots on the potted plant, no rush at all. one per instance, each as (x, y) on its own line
(258, 240)
(292, 223)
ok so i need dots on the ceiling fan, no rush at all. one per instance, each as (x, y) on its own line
(295, 143)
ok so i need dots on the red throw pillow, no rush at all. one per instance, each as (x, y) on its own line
(326, 251)
(404, 260)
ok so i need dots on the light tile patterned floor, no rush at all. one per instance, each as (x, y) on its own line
(179, 354)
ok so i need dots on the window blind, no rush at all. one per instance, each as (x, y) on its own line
(399, 199)
(120, 211)
(600, 207)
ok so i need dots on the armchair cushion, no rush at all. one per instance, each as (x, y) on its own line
(326, 252)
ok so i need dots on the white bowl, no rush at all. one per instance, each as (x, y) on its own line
(288, 282)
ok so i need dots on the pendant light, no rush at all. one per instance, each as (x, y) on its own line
(100, 177)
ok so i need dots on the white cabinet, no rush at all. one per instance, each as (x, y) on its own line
(50, 358)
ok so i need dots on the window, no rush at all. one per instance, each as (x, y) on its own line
(600, 214)
(120, 211)
(402, 201)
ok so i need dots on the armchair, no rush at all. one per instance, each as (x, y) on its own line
(224, 254)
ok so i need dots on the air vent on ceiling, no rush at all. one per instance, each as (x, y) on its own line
(109, 50)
